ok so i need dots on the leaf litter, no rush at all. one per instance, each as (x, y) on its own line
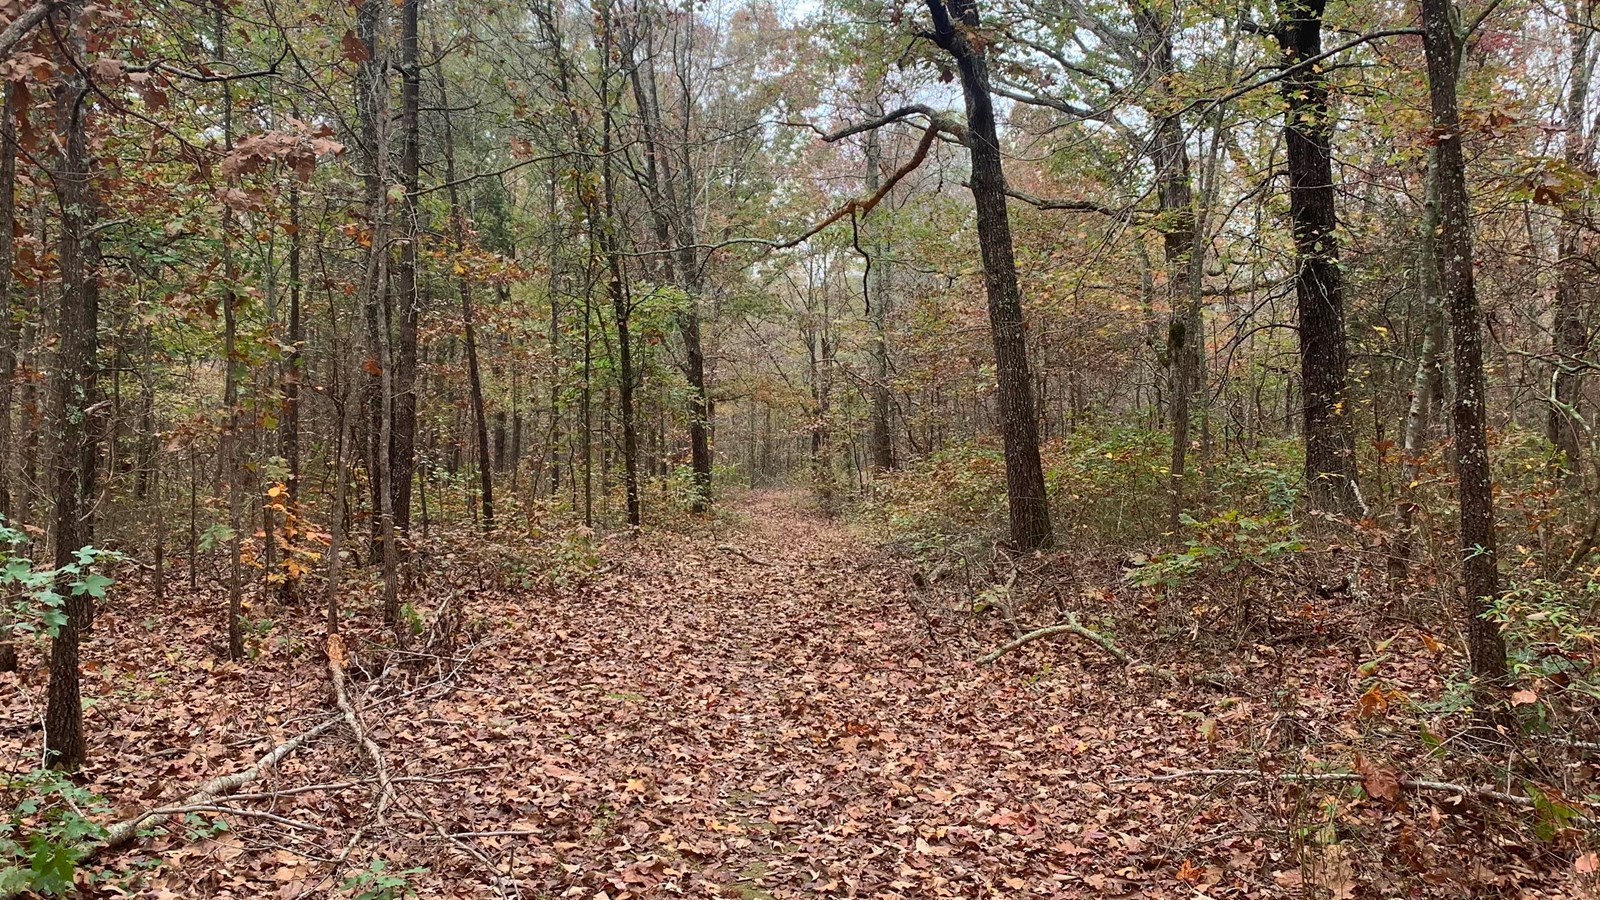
(768, 723)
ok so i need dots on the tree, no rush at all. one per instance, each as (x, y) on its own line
(1480, 575)
(1319, 287)
(74, 385)
(956, 29)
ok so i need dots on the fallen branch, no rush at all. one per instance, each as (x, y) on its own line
(1415, 784)
(1070, 626)
(729, 548)
(211, 791)
(1073, 627)
(341, 695)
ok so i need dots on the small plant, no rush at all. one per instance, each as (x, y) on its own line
(35, 604)
(47, 832)
(377, 882)
(1226, 542)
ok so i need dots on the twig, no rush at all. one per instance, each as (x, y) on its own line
(236, 811)
(1415, 784)
(729, 548)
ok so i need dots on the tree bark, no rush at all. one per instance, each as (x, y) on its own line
(1480, 576)
(1175, 197)
(1427, 375)
(1569, 338)
(404, 428)
(956, 23)
(880, 437)
(1329, 440)
(65, 745)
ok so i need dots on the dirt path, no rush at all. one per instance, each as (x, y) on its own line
(755, 713)
(763, 715)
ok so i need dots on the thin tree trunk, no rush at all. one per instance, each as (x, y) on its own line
(404, 427)
(1426, 376)
(469, 329)
(65, 745)
(880, 439)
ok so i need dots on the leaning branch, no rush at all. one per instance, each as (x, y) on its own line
(1070, 626)
(1075, 628)
(22, 25)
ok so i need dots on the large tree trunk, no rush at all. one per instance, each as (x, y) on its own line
(74, 383)
(1480, 576)
(1330, 467)
(956, 23)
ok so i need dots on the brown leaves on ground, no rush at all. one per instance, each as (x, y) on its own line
(774, 723)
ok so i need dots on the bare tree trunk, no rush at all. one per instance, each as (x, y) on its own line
(404, 427)
(1479, 573)
(1569, 337)
(1426, 377)
(956, 24)
(232, 454)
(1175, 195)
(372, 97)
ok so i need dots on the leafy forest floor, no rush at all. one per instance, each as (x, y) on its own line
(768, 707)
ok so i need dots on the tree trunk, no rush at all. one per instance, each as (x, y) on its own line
(1175, 196)
(469, 329)
(1319, 289)
(1427, 375)
(1569, 337)
(233, 443)
(880, 439)
(65, 746)
(373, 107)
(404, 428)
(1479, 575)
(956, 24)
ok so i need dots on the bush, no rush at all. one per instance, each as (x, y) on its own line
(47, 833)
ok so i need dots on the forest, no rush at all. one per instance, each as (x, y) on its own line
(623, 449)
